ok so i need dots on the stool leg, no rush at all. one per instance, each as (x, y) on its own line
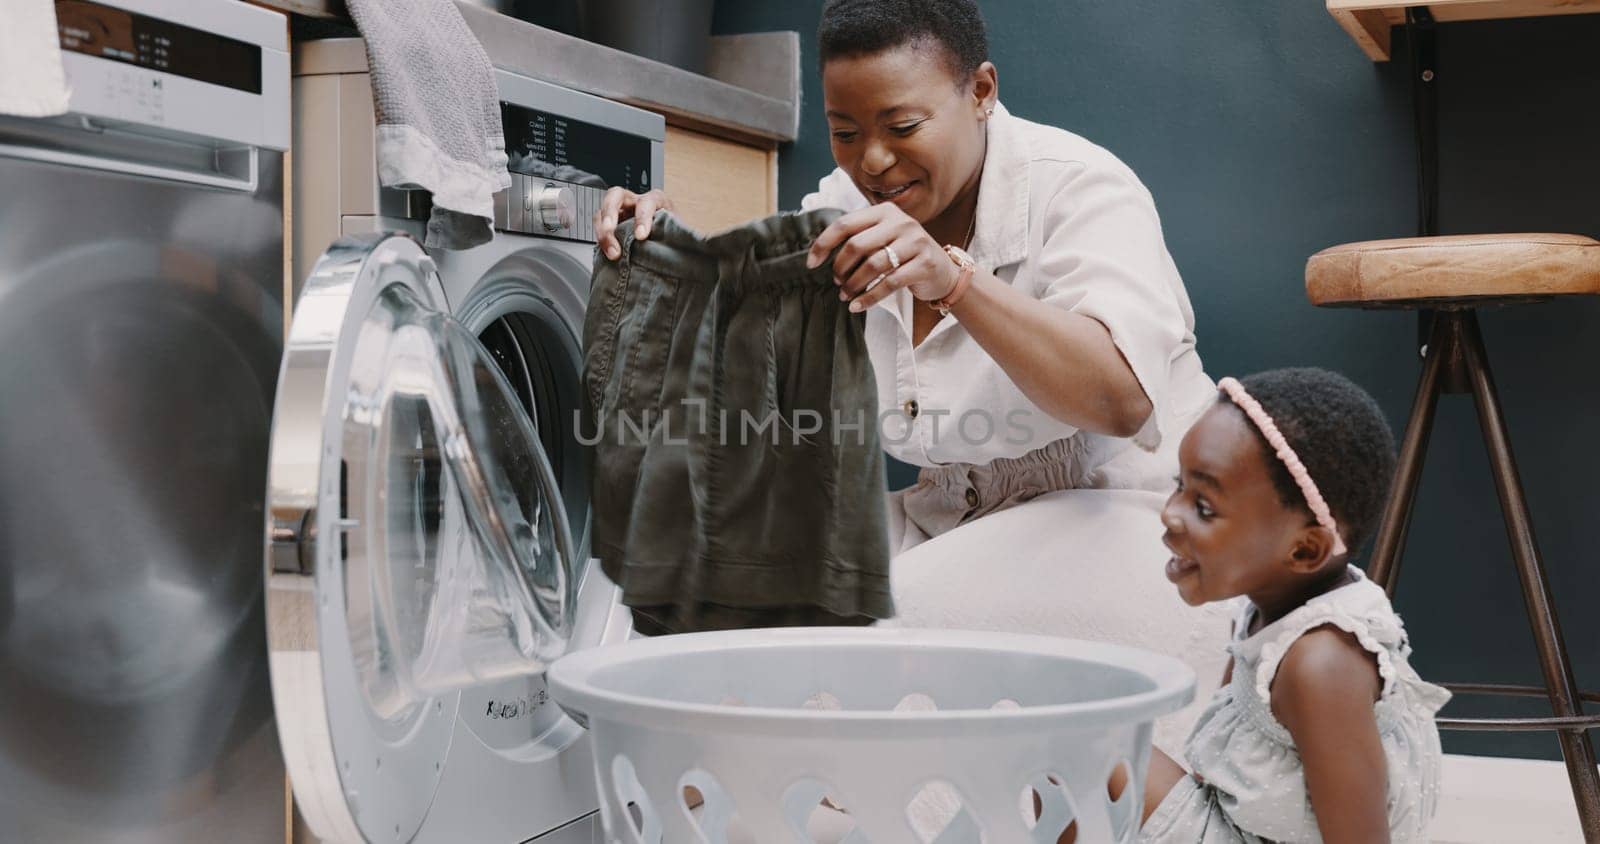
(1384, 568)
(1558, 679)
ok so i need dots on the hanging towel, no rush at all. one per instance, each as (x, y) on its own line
(32, 83)
(438, 114)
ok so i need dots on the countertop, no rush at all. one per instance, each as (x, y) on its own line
(762, 108)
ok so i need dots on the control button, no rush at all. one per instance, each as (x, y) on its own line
(910, 407)
(557, 207)
(972, 497)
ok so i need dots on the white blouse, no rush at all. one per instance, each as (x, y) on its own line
(1068, 223)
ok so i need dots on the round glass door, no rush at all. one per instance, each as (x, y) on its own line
(527, 309)
(417, 542)
(467, 564)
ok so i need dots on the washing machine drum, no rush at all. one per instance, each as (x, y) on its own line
(417, 542)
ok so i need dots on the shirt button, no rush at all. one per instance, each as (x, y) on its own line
(910, 408)
(972, 498)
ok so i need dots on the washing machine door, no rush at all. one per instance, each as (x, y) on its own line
(416, 541)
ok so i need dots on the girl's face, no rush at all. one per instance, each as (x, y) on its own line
(905, 129)
(1229, 532)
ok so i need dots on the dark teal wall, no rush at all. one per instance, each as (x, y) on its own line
(1265, 135)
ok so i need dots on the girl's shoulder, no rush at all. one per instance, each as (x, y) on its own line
(1360, 610)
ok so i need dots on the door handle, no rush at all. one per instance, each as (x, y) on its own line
(246, 182)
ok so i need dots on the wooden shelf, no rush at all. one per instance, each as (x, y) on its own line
(1368, 21)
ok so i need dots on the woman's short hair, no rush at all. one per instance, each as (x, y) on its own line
(864, 27)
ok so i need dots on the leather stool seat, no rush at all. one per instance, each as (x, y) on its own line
(1470, 270)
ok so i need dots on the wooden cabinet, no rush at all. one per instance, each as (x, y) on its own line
(716, 183)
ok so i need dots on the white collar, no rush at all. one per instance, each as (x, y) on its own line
(1001, 236)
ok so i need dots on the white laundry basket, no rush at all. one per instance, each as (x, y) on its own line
(766, 723)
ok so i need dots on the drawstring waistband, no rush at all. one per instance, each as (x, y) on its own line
(768, 251)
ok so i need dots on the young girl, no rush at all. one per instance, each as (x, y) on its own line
(1322, 731)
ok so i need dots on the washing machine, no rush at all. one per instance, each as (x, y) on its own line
(428, 497)
(141, 328)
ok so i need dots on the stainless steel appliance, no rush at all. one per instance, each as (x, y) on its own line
(141, 325)
(425, 507)
(391, 429)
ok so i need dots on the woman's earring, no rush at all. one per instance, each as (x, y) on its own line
(988, 112)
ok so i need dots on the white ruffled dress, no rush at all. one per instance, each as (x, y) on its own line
(1249, 784)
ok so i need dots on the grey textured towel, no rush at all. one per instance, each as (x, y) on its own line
(438, 114)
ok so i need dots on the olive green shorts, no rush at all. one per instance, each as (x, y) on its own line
(737, 475)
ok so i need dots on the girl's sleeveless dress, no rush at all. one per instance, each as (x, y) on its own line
(1248, 783)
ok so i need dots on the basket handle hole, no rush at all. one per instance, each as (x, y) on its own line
(917, 702)
(939, 815)
(815, 813)
(1125, 794)
(823, 700)
(708, 806)
(1049, 810)
(644, 826)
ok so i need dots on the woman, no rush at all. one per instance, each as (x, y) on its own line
(1044, 389)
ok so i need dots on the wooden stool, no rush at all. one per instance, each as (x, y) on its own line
(1455, 276)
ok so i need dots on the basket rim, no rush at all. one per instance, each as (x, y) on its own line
(570, 685)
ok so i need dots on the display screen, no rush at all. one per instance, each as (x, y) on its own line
(130, 38)
(550, 146)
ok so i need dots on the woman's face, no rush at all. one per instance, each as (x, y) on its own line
(905, 128)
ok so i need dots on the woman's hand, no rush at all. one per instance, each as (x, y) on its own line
(863, 268)
(621, 204)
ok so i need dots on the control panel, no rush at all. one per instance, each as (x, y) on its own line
(216, 70)
(548, 207)
(125, 36)
(564, 152)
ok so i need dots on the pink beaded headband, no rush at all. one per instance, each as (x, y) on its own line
(1297, 470)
